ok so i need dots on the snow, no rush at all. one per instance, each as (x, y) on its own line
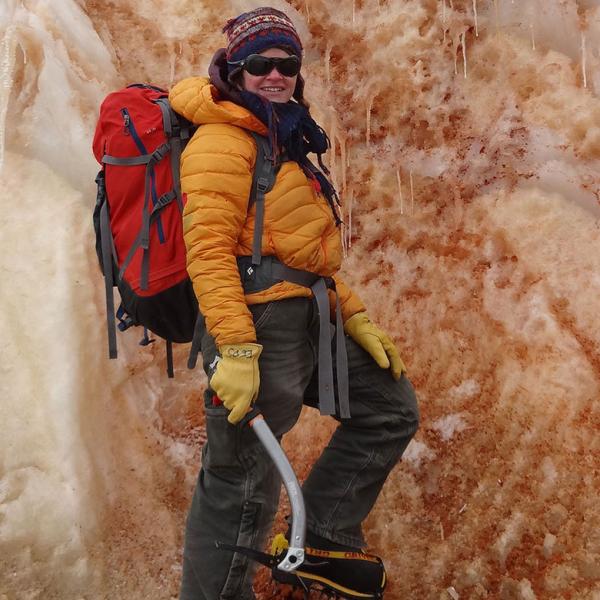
(473, 206)
(467, 389)
(417, 453)
(449, 425)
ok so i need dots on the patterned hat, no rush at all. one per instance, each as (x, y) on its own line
(262, 28)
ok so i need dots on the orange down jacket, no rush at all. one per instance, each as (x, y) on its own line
(216, 174)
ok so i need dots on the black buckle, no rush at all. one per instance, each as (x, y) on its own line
(160, 152)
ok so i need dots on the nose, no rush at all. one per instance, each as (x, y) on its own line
(274, 75)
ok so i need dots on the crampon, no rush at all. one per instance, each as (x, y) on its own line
(352, 574)
(337, 574)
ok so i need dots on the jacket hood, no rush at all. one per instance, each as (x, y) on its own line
(202, 100)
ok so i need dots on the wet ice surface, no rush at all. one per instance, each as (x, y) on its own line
(473, 204)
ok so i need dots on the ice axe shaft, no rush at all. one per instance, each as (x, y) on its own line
(295, 553)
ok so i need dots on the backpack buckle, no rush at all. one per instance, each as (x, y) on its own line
(160, 152)
(125, 321)
(262, 184)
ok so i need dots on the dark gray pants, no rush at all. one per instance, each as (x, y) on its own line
(238, 487)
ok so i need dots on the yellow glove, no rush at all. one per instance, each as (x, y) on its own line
(375, 342)
(236, 378)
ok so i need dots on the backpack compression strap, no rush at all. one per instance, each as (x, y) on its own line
(108, 251)
(143, 238)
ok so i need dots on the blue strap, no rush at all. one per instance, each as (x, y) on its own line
(146, 340)
(150, 184)
(125, 321)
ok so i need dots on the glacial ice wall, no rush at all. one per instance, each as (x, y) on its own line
(466, 147)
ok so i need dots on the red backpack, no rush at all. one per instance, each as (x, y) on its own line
(137, 217)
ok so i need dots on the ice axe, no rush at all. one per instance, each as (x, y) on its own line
(294, 555)
(361, 576)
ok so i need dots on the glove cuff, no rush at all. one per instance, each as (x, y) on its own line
(355, 321)
(240, 351)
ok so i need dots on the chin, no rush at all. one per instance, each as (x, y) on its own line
(276, 98)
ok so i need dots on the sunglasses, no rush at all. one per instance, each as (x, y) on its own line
(258, 65)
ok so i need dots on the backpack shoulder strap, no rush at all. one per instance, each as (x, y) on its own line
(263, 179)
(177, 136)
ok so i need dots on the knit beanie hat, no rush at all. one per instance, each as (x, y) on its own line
(259, 29)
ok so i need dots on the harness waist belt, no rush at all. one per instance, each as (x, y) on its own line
(256, 278)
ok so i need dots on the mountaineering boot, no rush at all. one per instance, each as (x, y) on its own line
(333, 568)
(316, 541)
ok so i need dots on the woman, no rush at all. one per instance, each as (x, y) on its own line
(267, 342)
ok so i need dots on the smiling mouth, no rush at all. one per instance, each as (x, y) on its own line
(272, 89)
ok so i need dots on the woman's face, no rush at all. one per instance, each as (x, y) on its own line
(274, 86)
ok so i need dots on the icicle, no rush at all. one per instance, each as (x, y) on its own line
(307, 11)
(345, 198)
(332, 152)
(7, 67)
(353, 13)
(344, 161)
(475, 18)
(369, 108)
(532, 36)
(412, 194)
(172, 61)
(453, 593)
(344, 210)
(350, 205)
(583, 59)
(451, 5)
(455, 48)
(328, 62)
(444, 21)
(464, 51)
(399, 180)
(175, 56)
